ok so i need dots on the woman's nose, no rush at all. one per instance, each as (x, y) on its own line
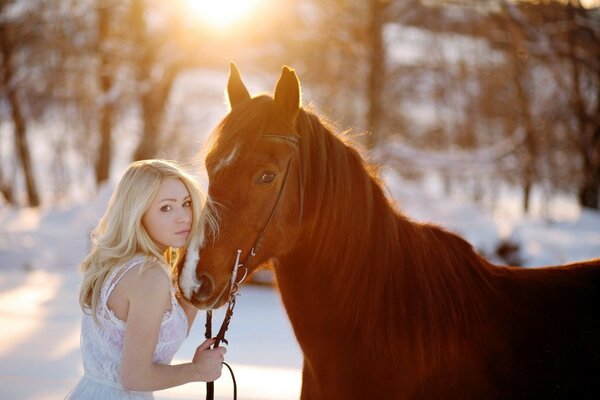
(184, 215)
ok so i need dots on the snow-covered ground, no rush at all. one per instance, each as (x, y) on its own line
(39, 342)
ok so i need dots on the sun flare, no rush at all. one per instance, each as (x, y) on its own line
(222, 13)
(590, 3)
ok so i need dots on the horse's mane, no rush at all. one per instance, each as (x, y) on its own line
(390, 269)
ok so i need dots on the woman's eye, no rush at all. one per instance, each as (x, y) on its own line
(267, 177)
(187, 203)
(166, 208)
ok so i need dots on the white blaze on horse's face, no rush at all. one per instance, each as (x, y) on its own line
(188, 281)
(227, 160)
(188, 278)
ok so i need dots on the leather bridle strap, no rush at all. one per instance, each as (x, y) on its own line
(233, 293)
(260, 236)
(295, 140)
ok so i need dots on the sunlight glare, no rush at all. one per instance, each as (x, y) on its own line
(22, 308)
(222, 13)
(283, 383)
(590, 3)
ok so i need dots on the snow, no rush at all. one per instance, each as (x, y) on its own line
(559, 242)
(39, 342)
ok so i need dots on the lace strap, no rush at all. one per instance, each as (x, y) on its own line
(119, 273)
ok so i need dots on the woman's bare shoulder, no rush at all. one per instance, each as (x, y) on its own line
(150, 276)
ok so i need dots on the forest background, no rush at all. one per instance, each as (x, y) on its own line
(486, 96)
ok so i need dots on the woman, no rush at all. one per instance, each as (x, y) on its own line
(133, 322)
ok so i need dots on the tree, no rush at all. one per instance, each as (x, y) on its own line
(519, 74)
(349, 73)
(376, 68)
(583, 54)
(10, 36)
(544, 58)
(106, 71)
(155, 74)
(573, 55)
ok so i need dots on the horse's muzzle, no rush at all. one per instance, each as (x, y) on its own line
(205, 290)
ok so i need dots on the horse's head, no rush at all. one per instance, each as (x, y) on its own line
(254, 192)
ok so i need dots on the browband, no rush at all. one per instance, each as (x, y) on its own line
(291, 138)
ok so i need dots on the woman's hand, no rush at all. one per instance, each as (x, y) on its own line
(209, 361)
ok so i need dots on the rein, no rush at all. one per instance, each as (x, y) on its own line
(233, 293)
(235, 283)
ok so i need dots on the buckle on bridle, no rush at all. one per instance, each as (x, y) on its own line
(235, 283)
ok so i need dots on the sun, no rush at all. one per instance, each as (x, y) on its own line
(590, 3)
(222, 13)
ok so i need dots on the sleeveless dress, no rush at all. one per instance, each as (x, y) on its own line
(102, 344)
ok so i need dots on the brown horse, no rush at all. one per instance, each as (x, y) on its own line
(383, 307)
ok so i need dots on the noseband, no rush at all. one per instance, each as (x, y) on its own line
(235, 283)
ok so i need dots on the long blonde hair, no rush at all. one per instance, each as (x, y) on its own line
(120, 233)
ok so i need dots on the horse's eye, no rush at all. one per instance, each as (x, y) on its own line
(267, 177)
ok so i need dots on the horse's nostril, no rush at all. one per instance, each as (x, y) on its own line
(205, 289)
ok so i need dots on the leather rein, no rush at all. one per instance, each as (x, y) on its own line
(235, 282)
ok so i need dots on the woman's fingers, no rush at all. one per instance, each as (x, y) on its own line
(206, 344)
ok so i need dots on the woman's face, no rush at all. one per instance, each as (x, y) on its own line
(168, 219)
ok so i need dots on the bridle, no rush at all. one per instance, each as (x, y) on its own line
(235, 283)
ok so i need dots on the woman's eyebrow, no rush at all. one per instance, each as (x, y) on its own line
(174, 200)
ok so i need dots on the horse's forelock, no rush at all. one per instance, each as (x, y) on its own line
(241, 128)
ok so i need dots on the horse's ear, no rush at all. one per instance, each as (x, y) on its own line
(286, 102)
(236, 90)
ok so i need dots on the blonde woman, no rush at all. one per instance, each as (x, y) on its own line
(133, 323)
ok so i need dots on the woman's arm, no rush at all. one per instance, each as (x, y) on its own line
(149, 297)
(189, 309)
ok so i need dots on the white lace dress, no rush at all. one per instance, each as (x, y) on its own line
(102, 344)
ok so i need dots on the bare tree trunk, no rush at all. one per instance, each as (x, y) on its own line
(588, 126)
(6, 188)
(20, 132)
(376, 70)
(154, 91)
(589, 191)
(519, 60)
(530, 163)
(6, 184)
(148, 144)
(153, 103)
(106, 108)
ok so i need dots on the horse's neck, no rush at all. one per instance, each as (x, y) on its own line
(338, 292)
(340, 265)
(375, 271)
(416, 292)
